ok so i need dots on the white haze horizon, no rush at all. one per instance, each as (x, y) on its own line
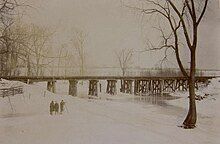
(110, 26)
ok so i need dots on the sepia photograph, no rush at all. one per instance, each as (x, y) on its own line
(109, 71)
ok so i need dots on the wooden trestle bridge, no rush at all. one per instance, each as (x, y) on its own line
(132, 85)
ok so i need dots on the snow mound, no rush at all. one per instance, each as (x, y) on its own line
(34, 100)
(8, 84)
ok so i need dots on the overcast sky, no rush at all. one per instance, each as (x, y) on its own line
(110, 26)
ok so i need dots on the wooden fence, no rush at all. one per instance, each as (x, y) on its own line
(11, 91)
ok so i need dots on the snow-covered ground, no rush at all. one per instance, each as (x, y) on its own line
(106, 120)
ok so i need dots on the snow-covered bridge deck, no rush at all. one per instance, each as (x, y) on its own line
(52, 78)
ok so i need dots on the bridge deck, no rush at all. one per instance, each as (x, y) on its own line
(51, 78)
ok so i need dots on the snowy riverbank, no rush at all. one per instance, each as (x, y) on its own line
(103, 121)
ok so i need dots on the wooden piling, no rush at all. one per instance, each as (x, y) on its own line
(181, 84)
(169, 85)
(51, 86)
(136, 87)
(93, 87)
(156, 86)
(126, 86)
(111, 87)
(73, 87)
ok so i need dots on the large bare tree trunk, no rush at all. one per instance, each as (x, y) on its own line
(191, 118)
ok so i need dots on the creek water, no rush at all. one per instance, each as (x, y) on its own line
(159, 101)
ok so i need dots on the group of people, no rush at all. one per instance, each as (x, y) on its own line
(54, 107)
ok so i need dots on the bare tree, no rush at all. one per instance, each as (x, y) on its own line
(78, 42)
(38, 44)
(18, 36)
(12, 37)
(124, 58)
(65, 60)
(181, 20)
(59, 59)
(7, 12)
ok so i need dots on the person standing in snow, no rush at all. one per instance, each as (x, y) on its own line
(56, 106)
(51, 107)
(62, 103)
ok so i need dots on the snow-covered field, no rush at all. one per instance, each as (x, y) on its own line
(106, 121)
